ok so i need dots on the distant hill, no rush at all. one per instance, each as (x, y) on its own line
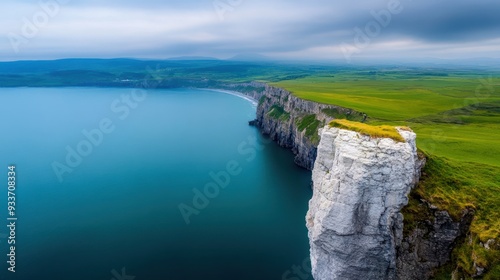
(250, 57)
(192, 58)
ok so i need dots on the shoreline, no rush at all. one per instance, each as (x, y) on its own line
(231, 92)
(235, 93)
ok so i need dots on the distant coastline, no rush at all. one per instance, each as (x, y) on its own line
(235, 93)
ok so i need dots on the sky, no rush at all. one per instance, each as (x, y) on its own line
(280, 29)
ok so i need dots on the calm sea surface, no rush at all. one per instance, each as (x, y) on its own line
(157, 184)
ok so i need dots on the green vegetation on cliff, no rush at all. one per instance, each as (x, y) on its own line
(335, 114)
(277, 112)
(380, 131)
(311, 125)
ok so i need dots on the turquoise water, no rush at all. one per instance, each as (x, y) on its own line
(106, 206)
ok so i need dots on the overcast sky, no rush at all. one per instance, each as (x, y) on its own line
(284, 29)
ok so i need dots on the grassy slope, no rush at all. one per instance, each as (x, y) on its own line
(457, 119)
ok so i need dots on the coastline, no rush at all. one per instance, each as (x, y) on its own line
(235, 93)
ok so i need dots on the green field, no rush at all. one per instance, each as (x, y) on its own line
(456, 116)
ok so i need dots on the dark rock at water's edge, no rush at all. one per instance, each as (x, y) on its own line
(254, 123)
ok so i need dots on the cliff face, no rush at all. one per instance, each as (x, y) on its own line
(290, 121)
(293, 122)
(354, 218)
(429, 244)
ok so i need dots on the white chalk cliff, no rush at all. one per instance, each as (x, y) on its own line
(354, 219)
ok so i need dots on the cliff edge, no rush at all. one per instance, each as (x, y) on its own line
(360, 185)
(293, 122)
(428, 238)
(290, 121)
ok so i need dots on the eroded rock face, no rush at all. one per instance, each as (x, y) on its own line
(429, 245)
(354, 219)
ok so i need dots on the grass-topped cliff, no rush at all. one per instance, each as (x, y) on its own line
(375, 131)
(457, 119)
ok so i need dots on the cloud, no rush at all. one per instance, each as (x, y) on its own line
(286, 29)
